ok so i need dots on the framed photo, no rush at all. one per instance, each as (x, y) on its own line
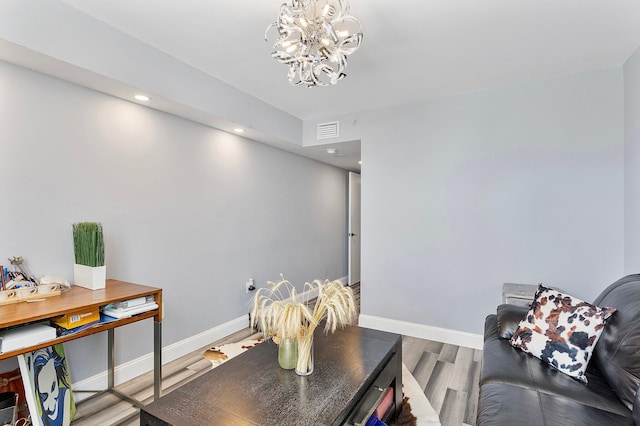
(47, 386)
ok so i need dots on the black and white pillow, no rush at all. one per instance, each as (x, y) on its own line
(561, 330)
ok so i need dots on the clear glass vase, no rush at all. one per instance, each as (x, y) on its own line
(304, 366)
(288, 353)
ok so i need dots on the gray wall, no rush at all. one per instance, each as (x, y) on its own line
(185, 207)
(97, 54)
(515, 184)
(632, 163)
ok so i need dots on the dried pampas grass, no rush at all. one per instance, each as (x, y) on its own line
(293, 318)
(286, 317)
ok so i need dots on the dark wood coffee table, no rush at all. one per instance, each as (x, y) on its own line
(352, 368)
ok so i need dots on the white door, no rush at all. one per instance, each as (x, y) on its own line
(354, 228)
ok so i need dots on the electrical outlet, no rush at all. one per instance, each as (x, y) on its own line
(249, 287)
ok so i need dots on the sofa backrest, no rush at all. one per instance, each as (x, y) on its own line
(617, 353)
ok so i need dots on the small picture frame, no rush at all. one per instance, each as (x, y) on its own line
(47, 386)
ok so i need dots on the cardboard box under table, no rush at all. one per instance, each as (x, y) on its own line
(77, 318)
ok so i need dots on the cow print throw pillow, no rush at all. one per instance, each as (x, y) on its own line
(561, 330)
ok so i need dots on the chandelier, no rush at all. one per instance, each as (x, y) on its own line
(314, 39)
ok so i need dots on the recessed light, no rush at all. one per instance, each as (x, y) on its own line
(142, 98)
(360, 162)
(238, 130)
(331, 151)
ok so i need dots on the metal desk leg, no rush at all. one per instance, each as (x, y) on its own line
(157, 359)
(398, 381)
(110, 358)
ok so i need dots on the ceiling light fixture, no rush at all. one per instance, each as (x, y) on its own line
(314, 39)
(143, 98)
(238, 130)
(332, 151)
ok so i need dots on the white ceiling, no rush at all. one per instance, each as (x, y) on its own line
(413, 50)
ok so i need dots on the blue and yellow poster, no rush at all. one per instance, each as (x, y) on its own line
(48, 386)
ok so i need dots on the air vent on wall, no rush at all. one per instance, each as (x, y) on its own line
(328, 130)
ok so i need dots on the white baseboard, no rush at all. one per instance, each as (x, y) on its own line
(134, 368)
(453, 337)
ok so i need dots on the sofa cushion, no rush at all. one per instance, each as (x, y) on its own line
(509, 317)
(618, 352)
(502, 363)
(507, 405)
(561, 330)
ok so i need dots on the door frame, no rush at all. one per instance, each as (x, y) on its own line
(354, 240)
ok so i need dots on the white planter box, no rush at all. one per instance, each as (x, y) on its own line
(91, 277)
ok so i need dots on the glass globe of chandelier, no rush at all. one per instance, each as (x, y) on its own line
(314, 39)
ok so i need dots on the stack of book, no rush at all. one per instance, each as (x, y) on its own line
(130, 307)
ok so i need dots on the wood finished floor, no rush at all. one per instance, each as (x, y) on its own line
(447, 373)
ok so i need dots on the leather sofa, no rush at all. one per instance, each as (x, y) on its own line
(516, 388)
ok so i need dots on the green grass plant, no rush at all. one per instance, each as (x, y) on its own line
(88, 243)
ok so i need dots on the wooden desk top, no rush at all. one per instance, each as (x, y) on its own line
(251, 389)
(74, 299)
